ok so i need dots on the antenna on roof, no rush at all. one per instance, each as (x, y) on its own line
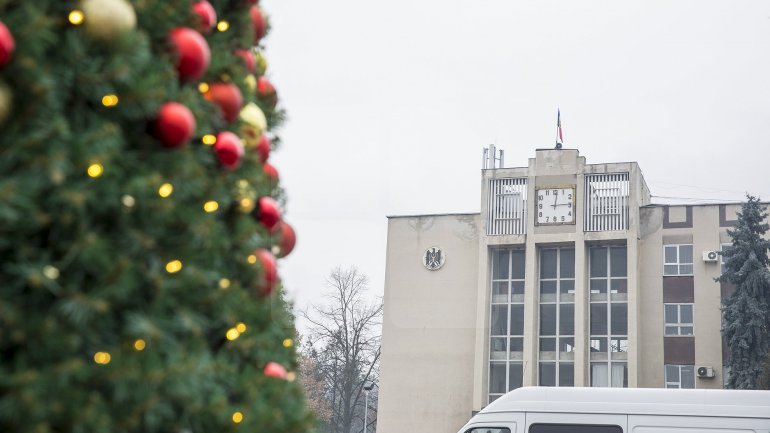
(490, 159)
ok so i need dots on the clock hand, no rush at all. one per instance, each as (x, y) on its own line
(555, 198)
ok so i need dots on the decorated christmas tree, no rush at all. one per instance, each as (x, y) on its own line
(140, 221)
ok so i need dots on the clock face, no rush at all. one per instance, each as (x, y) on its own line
(555, 205)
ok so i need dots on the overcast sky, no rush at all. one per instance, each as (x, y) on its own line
(390, 104)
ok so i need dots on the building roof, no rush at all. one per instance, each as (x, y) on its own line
(434, 215)
(639, 401)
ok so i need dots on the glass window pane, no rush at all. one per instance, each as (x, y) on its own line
(598, 262)
(517, 344)
(619, 374)
(672, 330)
(598, 345)
(497, 377)
(685, 330)
(599, 376)
(688, 376)
(500, 292)
(567, 319)
(517, 263)
(515, 376)
(566, 344)
(685, 253)
(672, 373)
(517, 291)
(685, 313)
(619, 286)
(598, 286)
(548, 344)
(598, 319)
(567, 263)
(547, 374)
(494, 397)
(548, 288)
(498, 349)
(671, 313)
(567, 287)
(671, 270)
(618, 261)
(548, 263)
(618, 345)
(517, 319)
(499, 324)
(619, 319)
(566, 374)
(547, 319)
(685, 269)
(670, 253)
(500, 264)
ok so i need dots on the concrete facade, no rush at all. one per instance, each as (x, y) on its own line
(519, 300)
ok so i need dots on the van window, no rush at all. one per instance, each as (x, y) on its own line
(489, 430)
(574, 428)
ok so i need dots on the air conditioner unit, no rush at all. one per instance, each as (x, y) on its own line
(705, 372)
(710, 256)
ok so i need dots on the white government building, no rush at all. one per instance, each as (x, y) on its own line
(569, 276)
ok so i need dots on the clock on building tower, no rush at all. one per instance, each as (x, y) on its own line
(555, 205)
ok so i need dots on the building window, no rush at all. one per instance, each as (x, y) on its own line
(680, 376)
(606, 202)
(722, 248)
(679, 319)
(677, 259)
(507, 206)
(557, 317)
(506, 327)
(608, 343)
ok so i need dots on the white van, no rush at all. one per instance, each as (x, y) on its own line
(624, 410)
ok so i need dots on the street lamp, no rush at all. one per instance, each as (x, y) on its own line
(367, 388)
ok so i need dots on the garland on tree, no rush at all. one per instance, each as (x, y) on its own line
(140, 221)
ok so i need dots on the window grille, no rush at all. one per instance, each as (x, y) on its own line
(606, 202)
(507, 208)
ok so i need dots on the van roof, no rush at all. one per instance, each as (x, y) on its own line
(640, 401)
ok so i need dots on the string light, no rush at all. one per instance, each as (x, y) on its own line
(128, 201)
(165, 190)
(209, 139)
(291, 376)
(173, 266)
(210, 206)
(110, 100)
(102, 358)
(240, 327)
(95, 170)
(224, 283)
(203, 87)
(223, 25)
(237, 417)
(288, 342)
(232, 334)
(246, 204)
(51, 272)
(76, 17)
(139, 345)
(252, 259)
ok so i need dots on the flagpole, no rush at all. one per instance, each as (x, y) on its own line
(559, 138)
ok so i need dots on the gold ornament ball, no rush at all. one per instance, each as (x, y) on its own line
(261, 63)
(6, 101)
(254, 124)
(106, 19)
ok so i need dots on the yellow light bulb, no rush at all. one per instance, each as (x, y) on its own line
(209, 139)
(165, 190)
(203, 87)
(173, 266)
(237, 417)
(224, 283)
(95, 170)
(232, 334)
(110, 100)
(240, 327)
(76, 17)
(102, 358)
(223, 25)
(252, 259)
(288, 342)
(210, 206)
(139, 345)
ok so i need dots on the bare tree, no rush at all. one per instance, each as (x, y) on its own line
(345, 341)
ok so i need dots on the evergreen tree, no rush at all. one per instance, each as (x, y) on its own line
(747, 311)
(139, 292)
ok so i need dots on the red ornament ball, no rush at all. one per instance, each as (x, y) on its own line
(268, 213)
(271, 172)
(228, 97)
(207, 16)
(259, 22)
(263, 148)
(249, 60)
(192, 51)
(266, 92)
(288, 240)
(269, 271)
(276, 370)
(7, 44)
(229, 150)
(175, 124)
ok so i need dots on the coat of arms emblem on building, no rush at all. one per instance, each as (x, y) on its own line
(433, 259)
